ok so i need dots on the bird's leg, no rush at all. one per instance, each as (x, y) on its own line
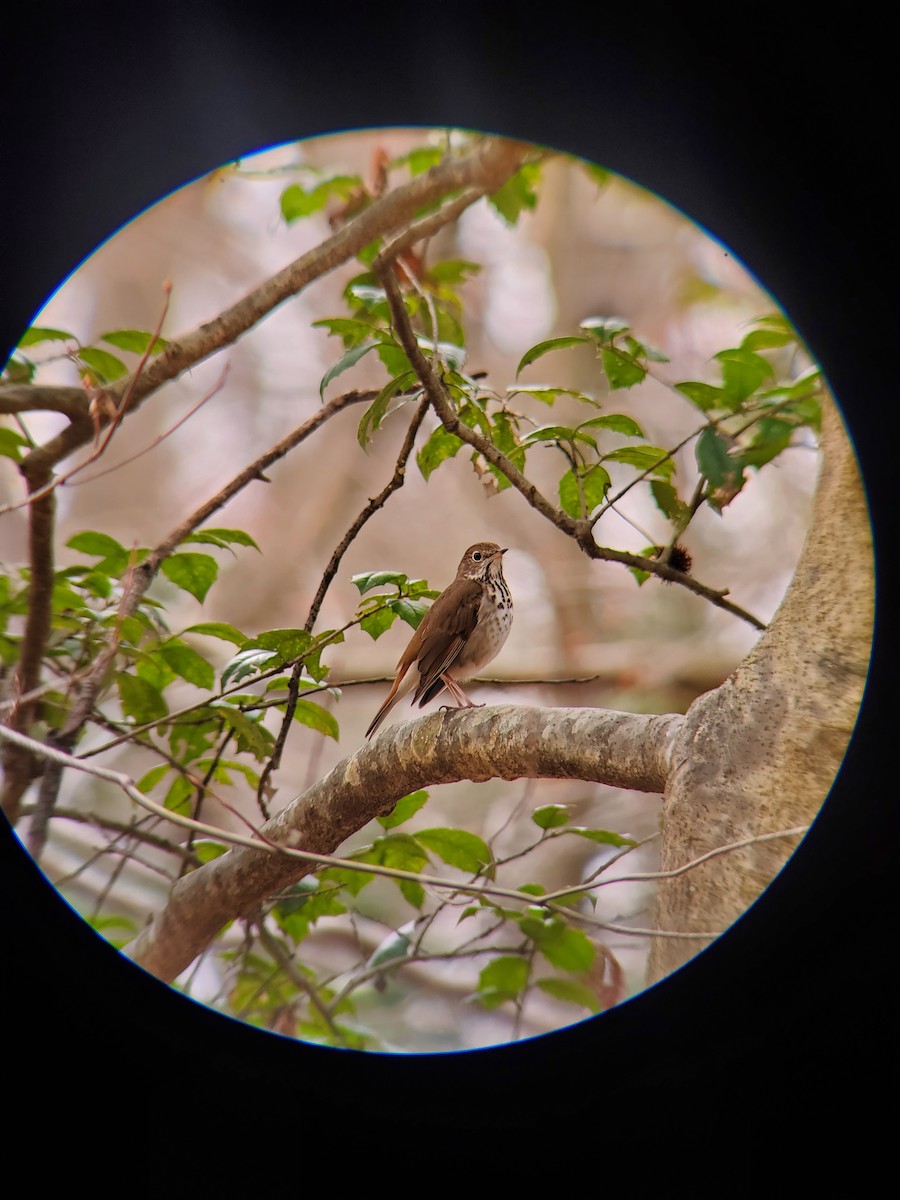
(462, 700)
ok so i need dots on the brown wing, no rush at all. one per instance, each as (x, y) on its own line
(451, 620)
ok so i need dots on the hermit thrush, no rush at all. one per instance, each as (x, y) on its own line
(461, 632)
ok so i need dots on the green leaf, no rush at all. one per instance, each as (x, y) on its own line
(517, 193)
(668, 500)
(410, 611)
(194, 573)
(393, 359)
(604, 329)
(418, 160)
(441, 445)
(533, 889)
(455, 356)
(550, 433)
(742, 373)
(564, 947)
(101, 545)
(605, 837)
(187, 663)
(43, 333)
(600, 175)
(19, 371)
(405, 807)
(714, 460)
(378, 622)
(366, 580)
(252, 736)
(221, 537)
(206, 850)
(621, 369)
(298, 202)
(351, 331)
(594, 483)
(542, 348)
(11, 443)
(473, 415)
(222, 768)
(457, 847)
(288, 643)
(178, 796)
(453, 271)
(136, 340)
(704, 396)
(316, 717)
(140, 700)
(617, 422)
(219, 629)
(369, 295)
(148, 782)
(395, 945)
(105, 367)
(771, 436)
(571, 991)
(412, 892)
(547, 393)
(766, 339)
(347, 360)
(374, 414)
(550, 816)
(247, 663)
(352, 881)
(646, 458)
(308, 902)
(398, 850)
(502, 979)
(153, 669)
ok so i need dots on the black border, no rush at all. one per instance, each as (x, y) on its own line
(767, 133)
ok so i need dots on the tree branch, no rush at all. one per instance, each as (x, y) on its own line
(394, 483)
(579, 530)
(481, 172)
(502, 741)
(137, 580)
(19, 765)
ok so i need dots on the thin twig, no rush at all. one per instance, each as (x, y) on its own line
(579, 530)
(259, 842)
(394, 483)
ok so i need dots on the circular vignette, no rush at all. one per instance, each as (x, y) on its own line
(789, 266)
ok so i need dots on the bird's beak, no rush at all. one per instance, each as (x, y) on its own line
(504, 550)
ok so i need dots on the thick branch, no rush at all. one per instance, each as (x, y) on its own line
(19, 766)
(481, 172)
(72, 402)
(761, 752)
(137, 582)
(503, 741)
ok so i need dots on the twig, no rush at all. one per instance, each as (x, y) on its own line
(217, 387)
(259, 842)
(140, 576)
(394, 483)
(300, 982)
(579, 530)
(654, 876)
(481, 172)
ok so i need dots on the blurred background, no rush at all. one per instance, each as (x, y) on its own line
(584, 633)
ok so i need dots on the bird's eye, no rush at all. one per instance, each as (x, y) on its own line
(477, 556)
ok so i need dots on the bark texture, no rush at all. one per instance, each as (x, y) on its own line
(761, 752)
(499, 741)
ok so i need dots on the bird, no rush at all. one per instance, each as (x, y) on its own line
(464, 629)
